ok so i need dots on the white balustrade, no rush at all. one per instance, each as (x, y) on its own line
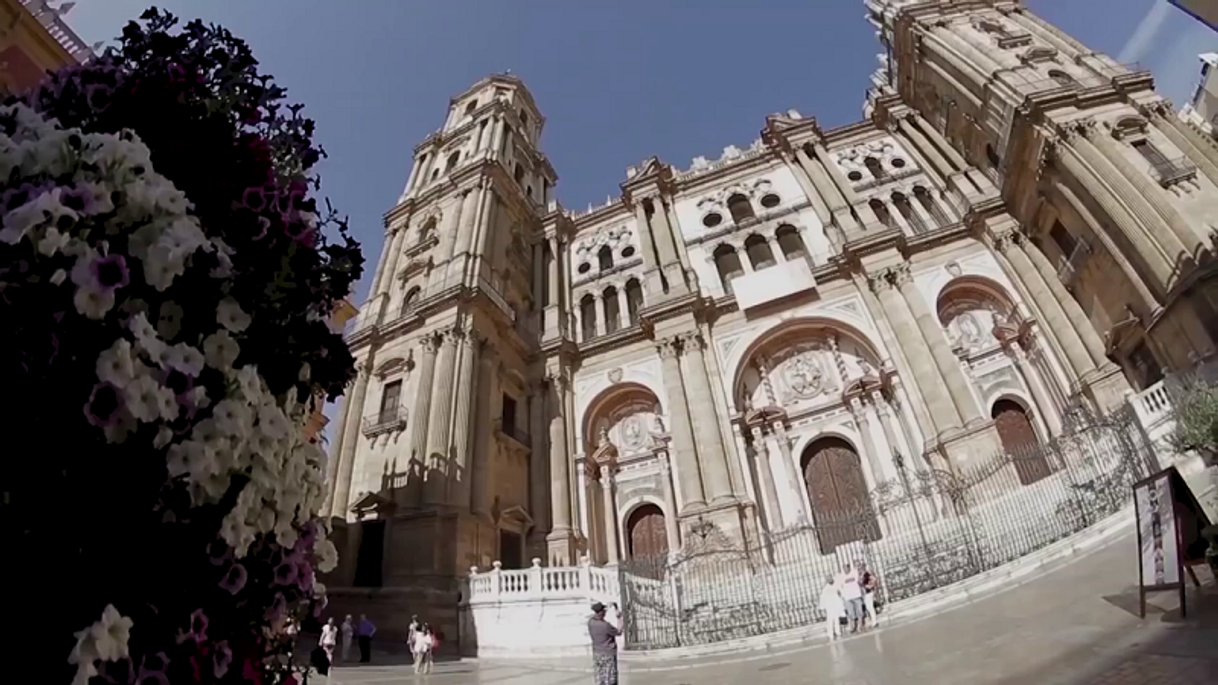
(585, 582)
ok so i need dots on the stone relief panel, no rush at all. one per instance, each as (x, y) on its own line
(591, 383)
(970, 325)
(892, 160)
(804, 369)
(633, 427)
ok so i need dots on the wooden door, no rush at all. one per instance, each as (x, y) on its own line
(648, 536)
(841, 505)
(1019, 441)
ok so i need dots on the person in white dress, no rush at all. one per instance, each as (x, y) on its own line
(422, 649)
(831, 603)
(329, 639)
(347, 629)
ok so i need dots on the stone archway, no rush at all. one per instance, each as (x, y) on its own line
(1019, 440)
(841, 504)
(646, 533)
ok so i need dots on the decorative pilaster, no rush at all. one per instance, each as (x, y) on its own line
(794, 483)
(858, 409)
(1040, 395)
(608, 502)
(430, 343)
(671, 529)
(560, 540)
(350, 438)
(440, 421)
(671, 261)
(940, 143)
(462, 445)
(712, 456)
(449, 238)
(480, 501)
(941, 410)
(470, 200)
(652, 284)
(762, 462)
(689, 476)
(1080, 325)
(921, 143)
(941, 352)
(885, 412)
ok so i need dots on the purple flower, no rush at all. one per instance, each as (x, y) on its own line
(286, 572)
(110, 273)
(305, 582)
(320, 606)
(102, 408)
(79, 199)
(222, 658)
(254, 199)
(198, 627)
(308, 536)
(113, 676)
(154, 672)
(277, 609)
(234, 580)
(219, 553)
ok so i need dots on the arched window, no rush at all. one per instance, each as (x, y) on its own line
(604, 258)
(790, 243)
(410, 301)
(881, 212)
(587, 317)
(451, 164)
(760, 254)
(524, 118)
(634, 300)
(518, 174)
(427, 230)
(727, 262)
(473, 105)
(1062, 78)
(932, 208)
(740, 208)
(613, 314)
(911, 216)
(874, 166)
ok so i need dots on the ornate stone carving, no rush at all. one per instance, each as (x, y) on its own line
(668, 348)
(953, 269)
(614, 375)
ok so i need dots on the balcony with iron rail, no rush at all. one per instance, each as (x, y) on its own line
(387, 420)
(1169, 172)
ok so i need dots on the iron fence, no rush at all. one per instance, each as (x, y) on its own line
(924, 530)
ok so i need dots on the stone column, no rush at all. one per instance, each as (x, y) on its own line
(1081, 160)
(885, 412)
(560, 538)
(801, 174)
(765, 473)
(668, 250)
(611, 538)
(581, 498)
(941, 143)
(652, 284)
(712, 456)
(794, 483)
(1075, 205)
(1054, 317)
(448, 239)
(414, 172)
(837, 206)
(422, 412)
(941, 353)
(333, 458)
(480, 502)
(1044, 404)
(462, 447)
(623, 308)
(689, 476)
(497, 137)
(440, 421)
(391, 238)
(942, 412)
(1080, 325)
(859, 411)
(671, 529)
(539, 462)
(1154, 196)
(921, 143)
(465, 230)
(602, 320)
(351, 433)
(555, 323)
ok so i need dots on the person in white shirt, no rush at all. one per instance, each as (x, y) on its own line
(831, 603)
(348, 632)
(852, 594)
(329, 639)
(421, 647)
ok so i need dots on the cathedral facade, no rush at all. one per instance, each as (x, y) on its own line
(1018, 225)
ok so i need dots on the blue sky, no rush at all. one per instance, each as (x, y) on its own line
(617, 81)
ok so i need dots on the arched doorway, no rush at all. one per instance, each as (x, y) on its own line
(647, 537)
(1019, 441)
(841, 505)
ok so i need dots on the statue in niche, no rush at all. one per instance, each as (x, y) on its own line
(804, 374)
(865, 366)
(632, 432)
(658, 427)
(604, 437)
(970, 330)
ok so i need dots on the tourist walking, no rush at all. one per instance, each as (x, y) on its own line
(421, 647)
(364, 633)
(348, 632)
(870, 584)
(604, 645)
(329, 639)
(852, 595)
(835, 610)
(411, 630)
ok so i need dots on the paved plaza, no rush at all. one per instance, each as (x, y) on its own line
(1076, 625)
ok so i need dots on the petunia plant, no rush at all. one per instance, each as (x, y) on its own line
(166, 280)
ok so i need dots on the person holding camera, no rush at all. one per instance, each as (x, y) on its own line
(604, 644)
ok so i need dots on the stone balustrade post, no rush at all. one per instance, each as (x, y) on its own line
(535, 578)
(585, 576)
(496, 579)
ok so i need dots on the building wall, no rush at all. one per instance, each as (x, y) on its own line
(33, 45)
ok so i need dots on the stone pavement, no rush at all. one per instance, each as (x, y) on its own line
(1076, 625)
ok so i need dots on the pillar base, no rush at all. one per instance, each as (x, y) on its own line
(1107, 388)
(562, 549)
(675, 274)
(712, 528)
(970, 446)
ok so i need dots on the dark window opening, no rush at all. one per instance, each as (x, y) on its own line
(587, 317)
(770, 201)
(452, 162)
(371, 554)
(727, 262)
(1065, 240)
(1146, 368)
(508, 415)
(473, 105)
(510, 554)
(712, 220)
(740, 208)
(790, 243)
(391, 397)
(634, 301)
(604, 258)
(874, 166)
(759, 252)
(613, 314)
(881, 212)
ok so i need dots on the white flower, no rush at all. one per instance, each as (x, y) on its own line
(249, 380)
(232, 417)
(163, 437)
(43, 208)
(117, 433)
(220, 350)
(145, 336)
(111, 634)
(327, 556)
(52, 242)
(59, 277)
(148, 400)
(114, 366)
(161, 267)
(169, 323)
(184, 358)
(198, 397)
(230, 316)
(93, 303)
(272, 422)
(306, 372)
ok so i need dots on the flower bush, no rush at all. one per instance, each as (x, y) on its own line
(166, 281)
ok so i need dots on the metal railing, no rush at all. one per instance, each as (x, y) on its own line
(1168, 172)
(385, 421)
(922, 531)
(51, 19)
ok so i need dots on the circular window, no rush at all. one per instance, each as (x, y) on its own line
(898, 163)
(583, 268)
(711, 220)
(855, 175)
(628, 251)
(770, 201)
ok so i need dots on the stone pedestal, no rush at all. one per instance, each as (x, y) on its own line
(971, 447)
(1107, 388)
(714, 527)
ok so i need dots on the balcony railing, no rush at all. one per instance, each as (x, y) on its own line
(51, 19)
(385, 421)
(1169, 172)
